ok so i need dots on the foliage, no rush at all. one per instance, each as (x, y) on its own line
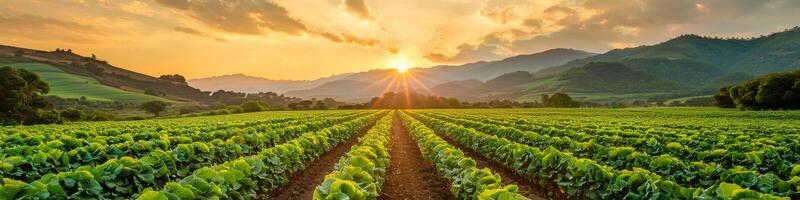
(72, 114)
(723, 99)
(123, 167)
(154, 107)
(246, 177)
(253, 106)
(559, 100)
(174, 78)
(505, 137)
(360, 173)
(21, 97)
(776, 91)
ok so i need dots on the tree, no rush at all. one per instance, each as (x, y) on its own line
(775, 91)
(21, 96)
(154, 92)
(154, 107)
(253, 106)
(559, 100)
(723, 99)
(72, 114)
(320, 106)
(174, 78)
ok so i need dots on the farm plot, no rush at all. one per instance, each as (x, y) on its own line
(511, 154)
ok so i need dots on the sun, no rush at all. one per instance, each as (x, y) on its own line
(400, 65)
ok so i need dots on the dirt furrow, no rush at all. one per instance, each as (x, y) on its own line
(410, 176)
(302, 183)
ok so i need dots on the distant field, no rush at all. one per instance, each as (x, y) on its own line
(683, 99)
(73, 86)
(595, 97)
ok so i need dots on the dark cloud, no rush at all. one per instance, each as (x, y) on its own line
(253, 17)
(359, 9)
(617, 22)
(196, 32)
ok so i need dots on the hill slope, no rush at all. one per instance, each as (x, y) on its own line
(686, 65)
(67, 85)
(775, 52)
(122, 80)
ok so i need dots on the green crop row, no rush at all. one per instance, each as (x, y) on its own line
(766, 155)
(360, 173)
(682, 171)
(580, 177)
(121, 178)
(468, 182)
(252, 176)
(54, 160)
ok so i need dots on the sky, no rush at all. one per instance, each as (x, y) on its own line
(309, 39)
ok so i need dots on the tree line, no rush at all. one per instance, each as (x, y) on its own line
(776, 91)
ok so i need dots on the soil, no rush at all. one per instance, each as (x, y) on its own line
(410, 176)
(302, 183)
(526, 188)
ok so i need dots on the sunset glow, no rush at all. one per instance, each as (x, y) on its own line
(401, 65)
(305, 40)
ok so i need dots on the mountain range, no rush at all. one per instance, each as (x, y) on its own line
(679, 67)
(683, 66)
(363, 86)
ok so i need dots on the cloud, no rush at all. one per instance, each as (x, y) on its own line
(501, 15)
(47, 29)
(254, 17)
(359, 9)
(600, 25)
(196, 32)
(250, 17)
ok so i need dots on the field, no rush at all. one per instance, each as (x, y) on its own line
(641, 153)
(67, 85)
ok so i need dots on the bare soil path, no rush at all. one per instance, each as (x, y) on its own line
(526, 188)
(410, 176)
(302, 183)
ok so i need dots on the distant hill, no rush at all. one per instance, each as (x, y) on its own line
(772, 53)
(102, 80)
(252, 84)
(342, 90)
(504, 81)
(686, 65)
(614, 77)
(456, 88)
(360, 85)
(422, 77)
(531, 63)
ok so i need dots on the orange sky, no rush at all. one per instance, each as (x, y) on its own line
(308, 39)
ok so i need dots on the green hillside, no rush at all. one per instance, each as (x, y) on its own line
(688, 65)
(131, 83)
(756, 56)
(67, 85)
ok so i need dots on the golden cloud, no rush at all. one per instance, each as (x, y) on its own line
(252, 17)
(358, 8)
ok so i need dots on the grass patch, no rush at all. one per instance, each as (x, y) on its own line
(67, 85)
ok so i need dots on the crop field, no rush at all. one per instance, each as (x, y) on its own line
(641, 153)
(67, 85)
